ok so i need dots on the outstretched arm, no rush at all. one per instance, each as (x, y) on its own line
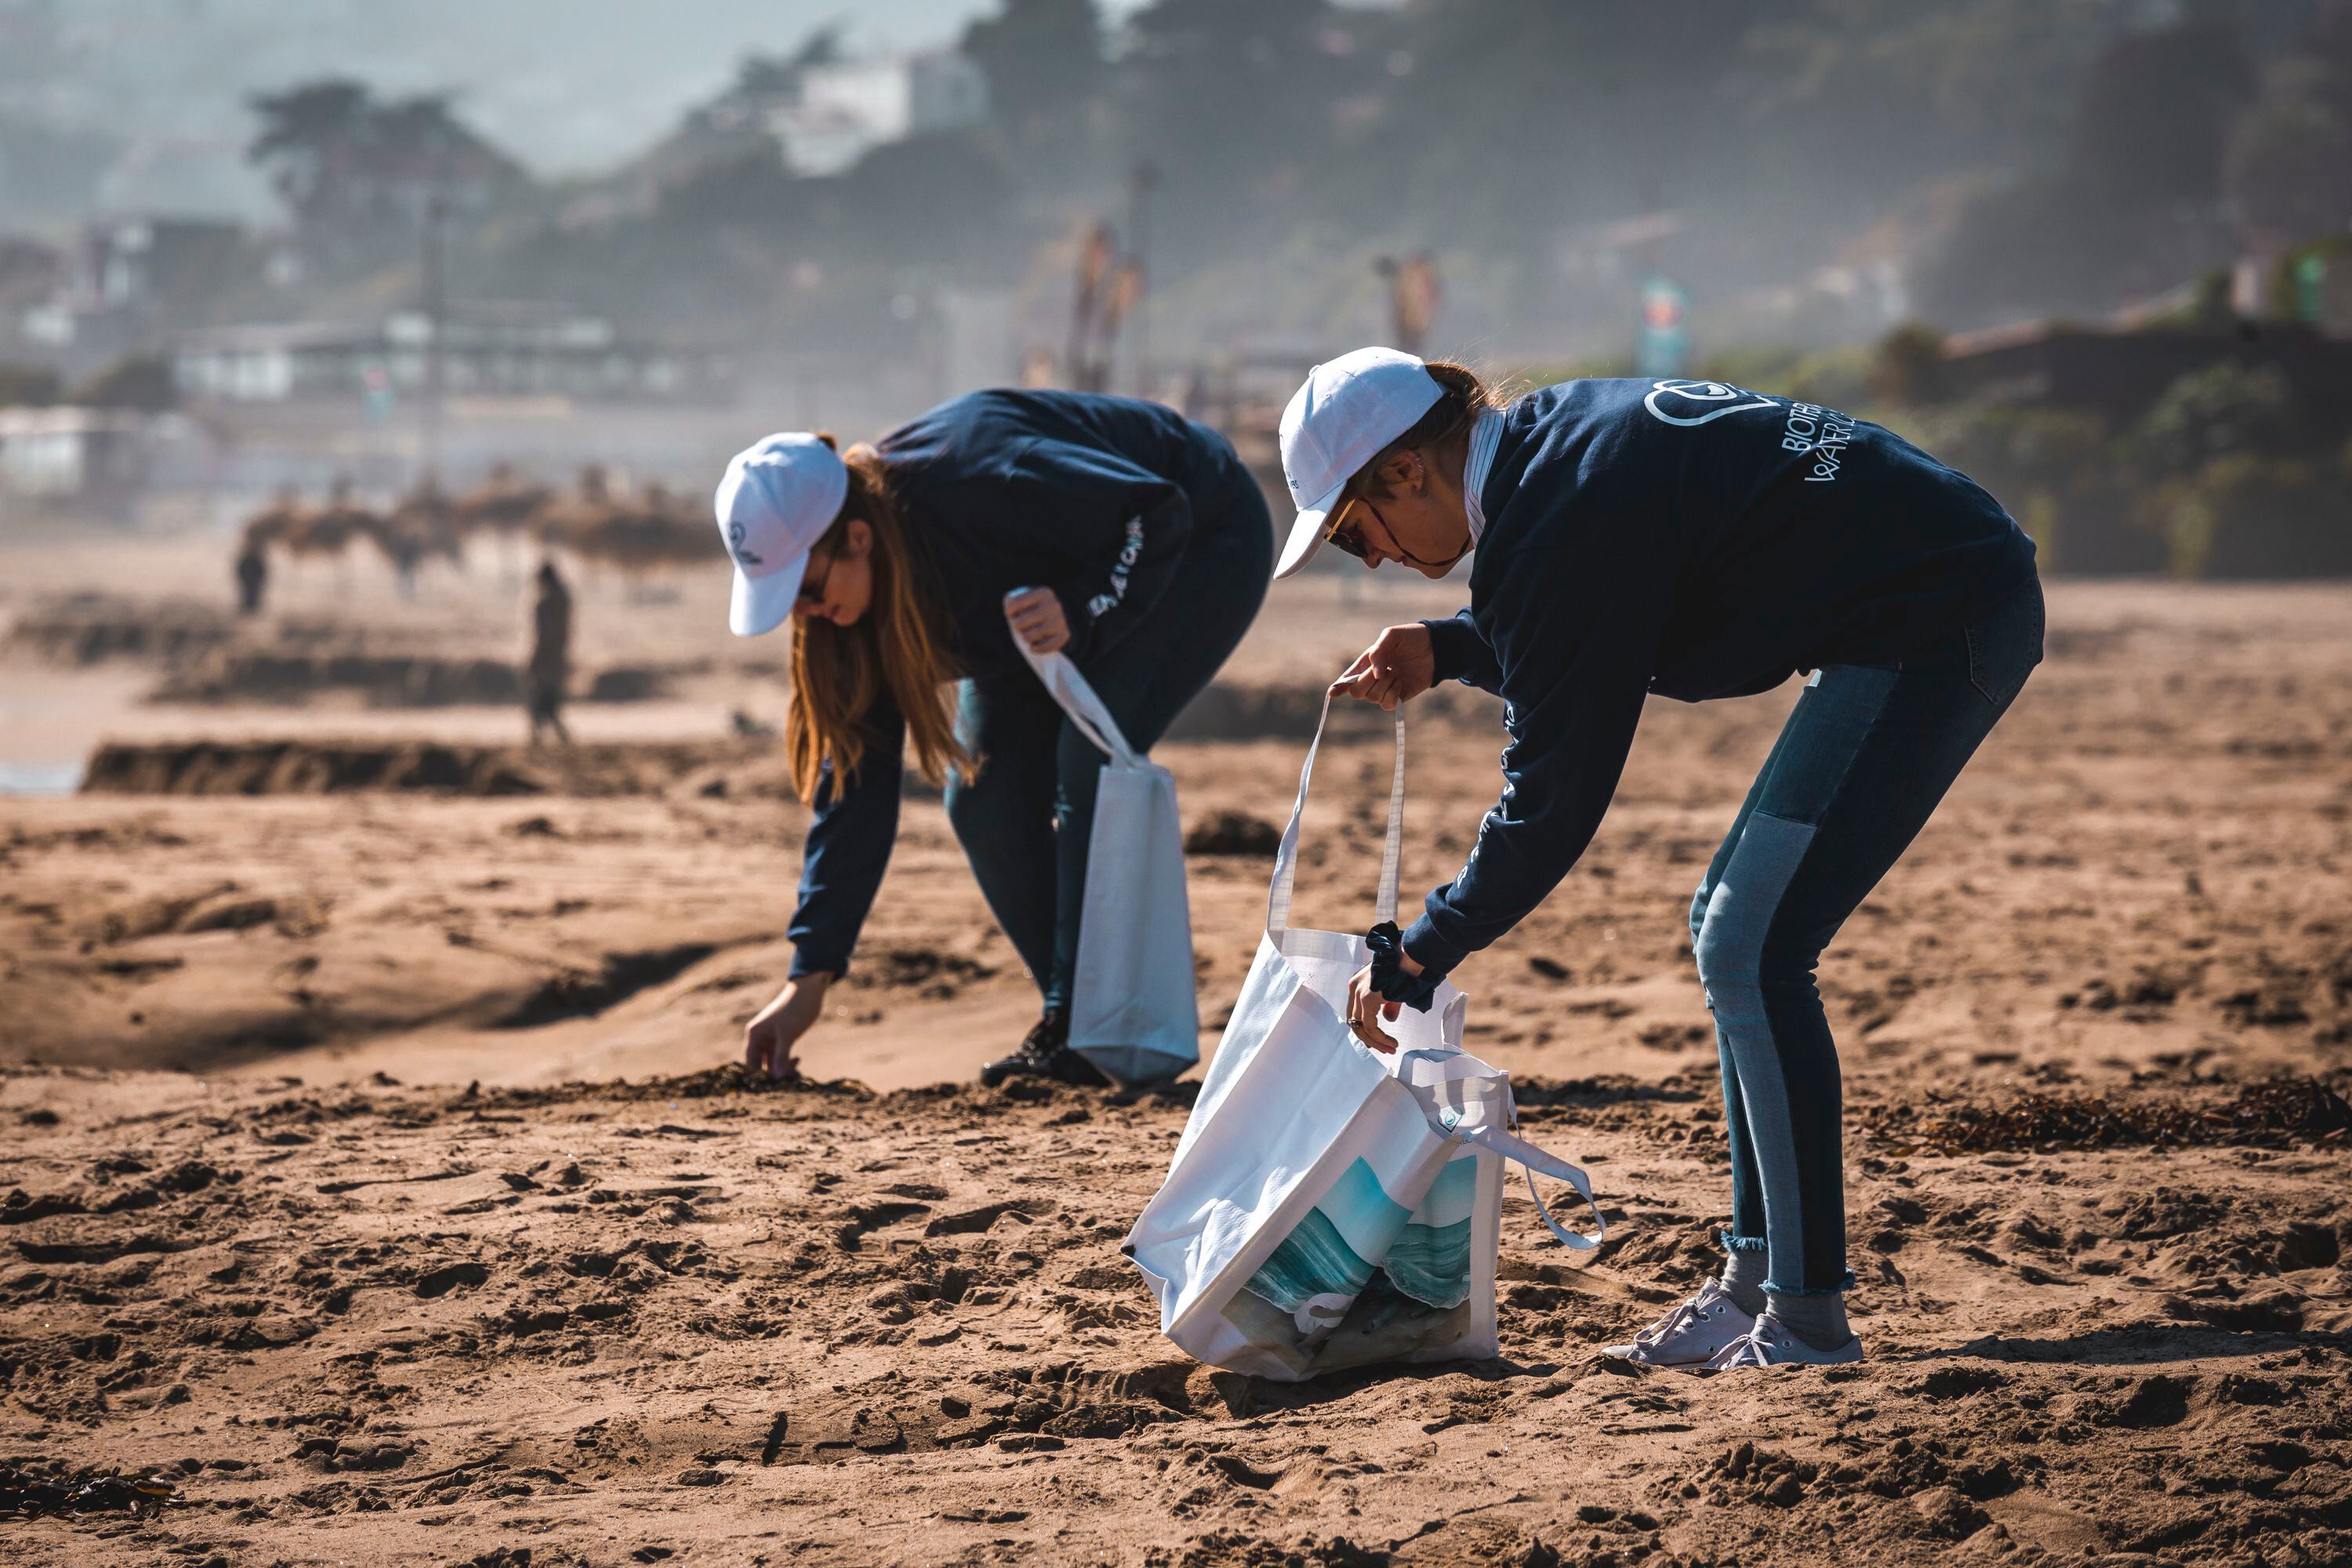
(1576, 636)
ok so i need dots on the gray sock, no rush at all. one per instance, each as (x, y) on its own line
(1743, 1280)
(1818, 1320)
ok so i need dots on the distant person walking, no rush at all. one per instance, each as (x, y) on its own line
(1696, 540)
(550, 656)
(1131, 540)
(252, 576)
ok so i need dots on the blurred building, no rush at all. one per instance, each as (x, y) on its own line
(844, 110)
(2120, 374)
(814, 114)
(92, 460)
(128, 263)
(32, 275)
(489, 351)
(124, 281)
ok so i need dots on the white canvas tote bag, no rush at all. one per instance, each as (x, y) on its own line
(1311, 1165)
(1133, 1010)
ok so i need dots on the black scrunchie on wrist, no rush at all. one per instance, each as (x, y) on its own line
(1389, 976)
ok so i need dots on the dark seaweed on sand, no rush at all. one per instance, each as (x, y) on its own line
(26, 1494)
(2276, 1113)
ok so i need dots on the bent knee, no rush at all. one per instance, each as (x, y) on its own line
(1726, 960)
(1724, 964)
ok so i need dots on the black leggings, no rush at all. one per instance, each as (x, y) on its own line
(1025, 822)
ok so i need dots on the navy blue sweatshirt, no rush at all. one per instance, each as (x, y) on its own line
(1092, 496)
(1693, 540)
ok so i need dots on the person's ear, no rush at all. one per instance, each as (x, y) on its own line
(858, 539)
(1402, 475)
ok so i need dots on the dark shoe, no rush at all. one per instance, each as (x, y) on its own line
(1046, 1054)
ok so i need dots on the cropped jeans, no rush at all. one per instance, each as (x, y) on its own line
(1027, 821)
(1860, 766)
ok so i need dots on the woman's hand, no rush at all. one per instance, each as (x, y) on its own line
(1039, 620)
(774, 1029)
(1367, 1009)
(1397, 668)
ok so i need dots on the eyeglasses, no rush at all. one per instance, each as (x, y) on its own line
(812, 593)
(1347, 534)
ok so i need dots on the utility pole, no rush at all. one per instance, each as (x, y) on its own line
(437, 212)
(1140, 184)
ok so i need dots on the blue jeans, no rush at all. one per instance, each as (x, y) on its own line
(1859, 768)
(1027, 821)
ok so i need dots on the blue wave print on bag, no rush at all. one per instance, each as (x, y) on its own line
(1430, 1259)
(1325, 1260)
(1431, 1263)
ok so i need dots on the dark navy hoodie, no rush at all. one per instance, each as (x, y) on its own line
(1094, 498)
(1697, 541)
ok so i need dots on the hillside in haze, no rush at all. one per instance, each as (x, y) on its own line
(1811, 171)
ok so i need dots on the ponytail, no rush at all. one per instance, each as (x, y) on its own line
(1463, 397)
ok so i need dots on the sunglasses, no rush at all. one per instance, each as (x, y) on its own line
(1346, 531)
(812, 593)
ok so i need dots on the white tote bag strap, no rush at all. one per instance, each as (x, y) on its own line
(1078, 699)
(1286, 858)
(1511, 1146)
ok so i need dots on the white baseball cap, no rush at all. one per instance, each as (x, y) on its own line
(1337, 422)
(775, 500)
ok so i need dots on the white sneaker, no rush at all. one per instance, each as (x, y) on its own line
(1690, 1335)
(1772, 1343)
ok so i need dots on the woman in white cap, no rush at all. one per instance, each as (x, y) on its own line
(1693, 539)
(1127, 537)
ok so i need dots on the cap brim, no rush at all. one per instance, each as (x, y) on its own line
(1307, 533)
(764, 603)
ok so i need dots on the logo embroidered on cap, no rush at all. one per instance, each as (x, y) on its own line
(735, 547)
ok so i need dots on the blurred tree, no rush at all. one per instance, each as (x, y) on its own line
(1232, 100)
(359, 173)
(1044, 61)
(2246, 515)
(2133, 205)
(752, 192)
(2289, 163)
(1513, 117)
(1908, 367)
(2156, 112)
(1906, 89)
(2221, 410)
(2058, 473)
(940, 200)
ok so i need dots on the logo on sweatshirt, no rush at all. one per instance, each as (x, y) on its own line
(1693, 403)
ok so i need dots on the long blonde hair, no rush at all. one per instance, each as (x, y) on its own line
(838, 672)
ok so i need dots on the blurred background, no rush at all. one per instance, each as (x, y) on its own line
(323, 323)
(368, 718)
(2094, 251)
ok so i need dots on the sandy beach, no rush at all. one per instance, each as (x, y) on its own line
(376, 1173)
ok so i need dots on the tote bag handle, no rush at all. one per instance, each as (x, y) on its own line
(1085, 706)
(1286, 859)
(1531, 1159)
